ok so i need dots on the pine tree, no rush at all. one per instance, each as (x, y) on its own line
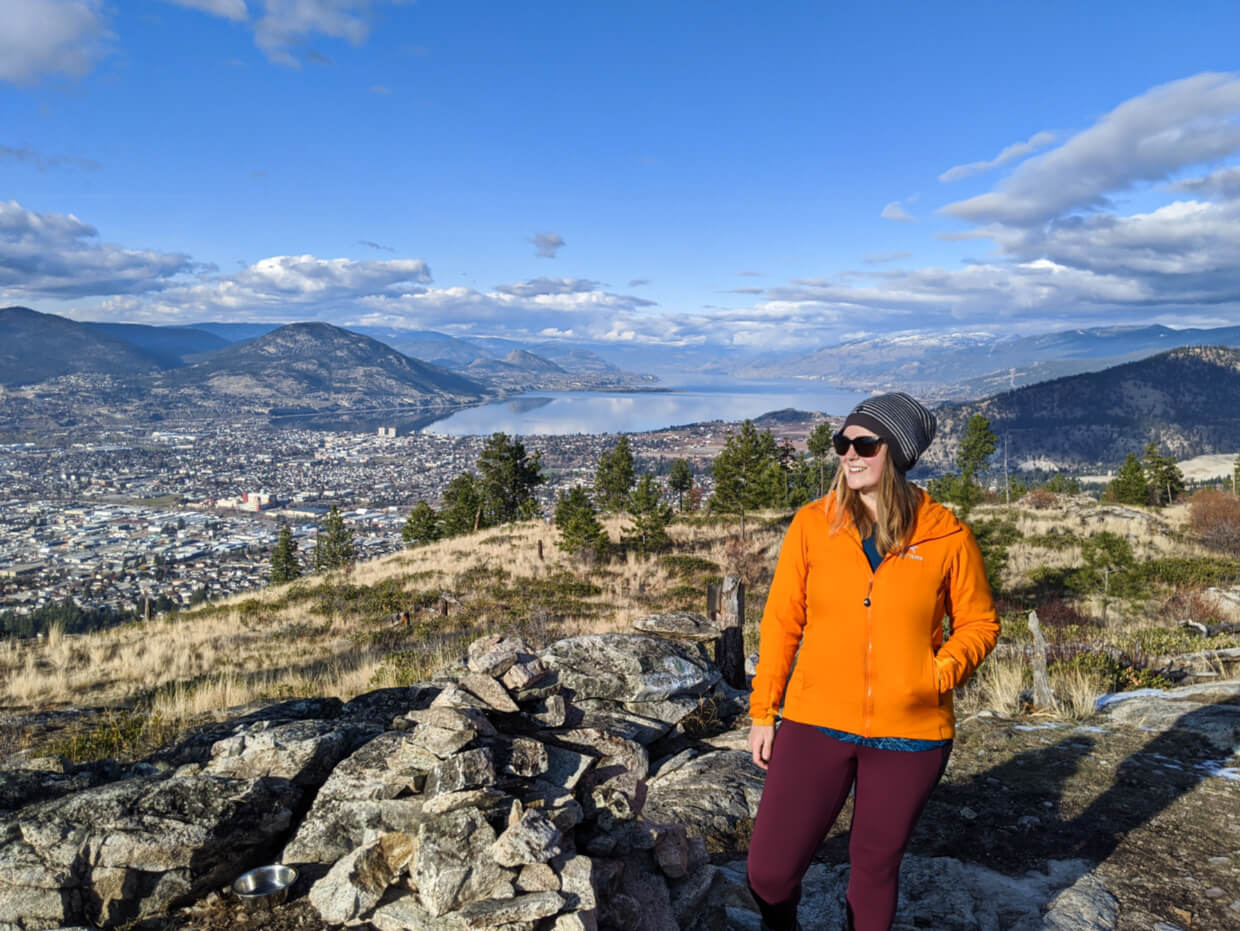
(284, 565)
(1129, 485)
(334, 546)
(421, 526)
(614, 476)
(462, 506)
(1235, 477)
(1162, 475)
(648, 531)
(972, 459)
(580, 531)
(507, 477)
(748, 474)
(820, 449)
(680, 480)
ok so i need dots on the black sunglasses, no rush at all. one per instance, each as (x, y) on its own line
(866, 446)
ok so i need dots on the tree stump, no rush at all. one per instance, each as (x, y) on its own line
(725, 606)
(1043, 697)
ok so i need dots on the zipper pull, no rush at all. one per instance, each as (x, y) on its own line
(867, 594)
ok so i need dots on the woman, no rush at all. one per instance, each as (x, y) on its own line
(864, 579)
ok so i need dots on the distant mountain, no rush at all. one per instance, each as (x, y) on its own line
(973, 364)
(35, 347)
(1185, 399)
(428, 345)
(575, 359)
(172, 346)
(237, 332)
(315, 366)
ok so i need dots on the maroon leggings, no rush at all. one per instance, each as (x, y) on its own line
(806, 786)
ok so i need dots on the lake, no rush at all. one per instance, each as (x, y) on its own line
(564, 412)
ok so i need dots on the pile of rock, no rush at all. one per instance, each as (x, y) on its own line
(515, 790)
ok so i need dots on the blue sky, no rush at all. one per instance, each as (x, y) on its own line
(732, 176)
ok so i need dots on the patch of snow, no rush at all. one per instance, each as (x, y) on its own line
(1112, 697)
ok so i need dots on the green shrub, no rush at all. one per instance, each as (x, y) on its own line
(1162, 641)
(1118, 676)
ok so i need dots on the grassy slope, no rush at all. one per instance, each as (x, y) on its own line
(134, 686)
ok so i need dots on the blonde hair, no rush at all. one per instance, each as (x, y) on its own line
(898, 501)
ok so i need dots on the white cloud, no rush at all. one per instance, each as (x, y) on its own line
(288, 23)
(53, 255)
(893, 211)
(1224, 183)
(1009, 154)
(44, 37)
(1146, 139)
(546, 245)
(228, 9)
(542, 286)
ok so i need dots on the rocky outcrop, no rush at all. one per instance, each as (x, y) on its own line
(598, 783)
(507, 793)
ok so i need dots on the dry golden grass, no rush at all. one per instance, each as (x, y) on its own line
(294, 640)
(270, 644)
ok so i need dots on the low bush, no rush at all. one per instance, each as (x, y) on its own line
(1113, 673)
(1215, 519)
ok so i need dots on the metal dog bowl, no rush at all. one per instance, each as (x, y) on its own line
(266, 886)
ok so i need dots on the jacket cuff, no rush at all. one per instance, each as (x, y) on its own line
(765, 721)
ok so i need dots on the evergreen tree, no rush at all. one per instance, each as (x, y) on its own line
(507, 477)
(334, 546)
(1235, 477)
(748, 474)
(820, 449)
(680, 480)
(1129, 485)
(648, 531)
(976, 447)
(1162, 475)
(284, 565)
(972, 459)
(462, 506)
(580, 532)
(1062, 484)
(614, 476)
(421, 526)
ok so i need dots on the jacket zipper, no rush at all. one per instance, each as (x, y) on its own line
(867, 718)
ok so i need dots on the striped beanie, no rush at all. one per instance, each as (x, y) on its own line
(905, 424)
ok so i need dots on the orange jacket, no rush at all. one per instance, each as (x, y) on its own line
(872, 659)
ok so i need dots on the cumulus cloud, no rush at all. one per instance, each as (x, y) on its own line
(1224, 183)
(541, 286)
(546, 245)
(1011, 153)
(45, 162)
(46, 37)
(1146, 139)
(55, 255)
(893, 211)
(228, 9)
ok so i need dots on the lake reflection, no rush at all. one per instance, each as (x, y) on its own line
(561, 412)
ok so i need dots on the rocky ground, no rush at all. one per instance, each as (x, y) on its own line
(1130, 820)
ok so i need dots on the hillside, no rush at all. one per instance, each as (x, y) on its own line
(1106, 803)
(172, 346)
(972, 365)
(1184, 399)
(35, 347)
(315, 366)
